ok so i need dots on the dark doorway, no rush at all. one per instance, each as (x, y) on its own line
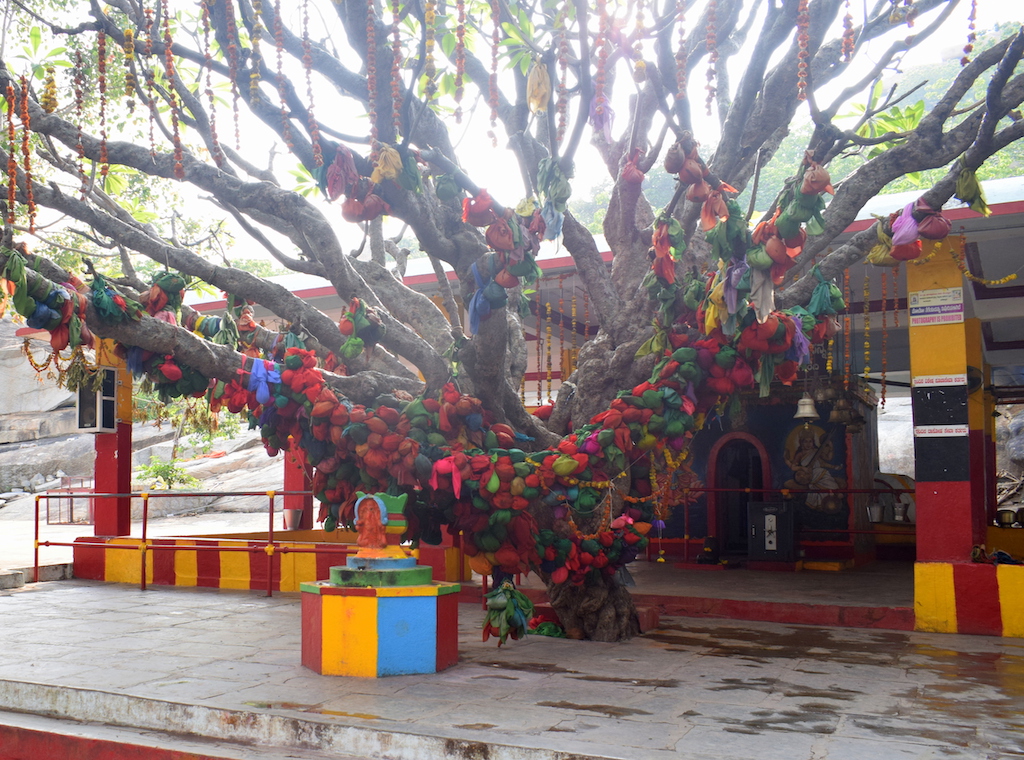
(738, 466)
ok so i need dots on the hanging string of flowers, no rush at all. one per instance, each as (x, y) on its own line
(803, 22)
(460, 57)
(307, 65)
(867, 327)
(847, 332)
(561, 322)
(255, 56)
(547, 345)
(971, 35)
(371, 76)
(218, 154)
(562, 104)
(179, 167)
(79, 88)
(282, 81)
(128, 51)
(639, 66)
(429, 35)
(26, 153)
(12, 157)
(601, 45)
(681, 51)
(101, 69)
(540, 347)
(885, 334)
(396, 62)
(959, 254)
(573, 325)
(232, 35)
(48, 102)
(711, 41)
(895, 272)
(150, 88)
(492, 80)
(849, 36)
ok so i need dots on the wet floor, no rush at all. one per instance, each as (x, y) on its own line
(694, 688)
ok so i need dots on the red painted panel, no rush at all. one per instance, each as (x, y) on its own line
(325, 561)
(312, 632)
(113, 454)
(90, 560)
(945, 523)
(977, 599)
(258, 570)
(208, 566)
(163, 563)
(24, 744)
(978, 447)
(447, 631)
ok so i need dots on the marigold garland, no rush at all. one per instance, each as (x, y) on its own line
(562, 103)
(601, 45)
(26, 153)
(282, 80)
(959, 255)
(547, 346)
(895, 272)
(847, 332)
(396, 73)
(150, 90)
(128, 51)
(460, 57)
(639, 66)
(867, 327)
(539, 348)
(218, 154)
(371, 76)
(48, 102)
(232, 35)
(79, 85)
(849, 36)
(429, 39)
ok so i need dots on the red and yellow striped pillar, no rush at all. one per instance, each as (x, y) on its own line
(112, 472)
(951, 426)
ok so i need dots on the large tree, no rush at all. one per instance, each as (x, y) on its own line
(164, 83)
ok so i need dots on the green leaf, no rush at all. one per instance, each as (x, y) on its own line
(448, 43)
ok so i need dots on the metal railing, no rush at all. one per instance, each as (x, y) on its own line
(270, 547)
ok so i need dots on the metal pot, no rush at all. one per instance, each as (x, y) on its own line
(1006, 517)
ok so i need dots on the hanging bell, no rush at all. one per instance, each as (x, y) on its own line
(805, 409)
(841, 412)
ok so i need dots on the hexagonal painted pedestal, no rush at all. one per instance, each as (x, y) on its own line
(379, 617)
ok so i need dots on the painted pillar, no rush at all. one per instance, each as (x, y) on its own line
(948, 426)
(112, 471)
(298, 477)
(991, 480)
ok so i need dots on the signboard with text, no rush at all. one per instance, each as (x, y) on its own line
(942, 306)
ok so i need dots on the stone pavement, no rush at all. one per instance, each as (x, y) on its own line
(225, 665)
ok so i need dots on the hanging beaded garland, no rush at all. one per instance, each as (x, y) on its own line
(430, 67)
(601, 45)
(101, 69)
(540, 348)
(371, 76)
(681, 51)
(282, 81)
(562, 104)
(26, 153)
(885, 333)
(179, 168)
(79, 119)
(895, 273)
(711, 41)
(218, 154)
(803, 22)
(849, 36)
(573, 326)
(255, 56)
(846, 331)
(460, 57)
(561, 325)
(867, 327)
(639, 66)
(128, 51)
(150, 88)
(492, 80)
(396, 73)
(307, 65)
(12, 157)
(547, 345)
(959, 254)
(971, 36)
(232, 35)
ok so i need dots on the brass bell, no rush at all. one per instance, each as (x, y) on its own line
(842, 412)
(805, 409)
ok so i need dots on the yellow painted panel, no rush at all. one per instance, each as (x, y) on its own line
(1011, 598)
(305, 569)
(937, 350)
(349, 626)
(123, 565)
(934, 597)
(407, 591)
(234, 567)
(186, 566)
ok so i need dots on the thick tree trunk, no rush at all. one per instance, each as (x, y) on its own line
(600, 611)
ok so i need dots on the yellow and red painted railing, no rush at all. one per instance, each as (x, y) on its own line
(239, 561)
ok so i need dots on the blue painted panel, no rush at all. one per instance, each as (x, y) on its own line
(406, 635)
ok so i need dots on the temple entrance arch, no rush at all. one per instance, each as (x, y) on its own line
(737, 460)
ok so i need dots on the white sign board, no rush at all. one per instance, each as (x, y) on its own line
(936, 381)
(940, 431)
(942, 306)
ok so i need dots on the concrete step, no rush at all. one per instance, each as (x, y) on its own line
(11, 579)
(287, 730)
(16, 577)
